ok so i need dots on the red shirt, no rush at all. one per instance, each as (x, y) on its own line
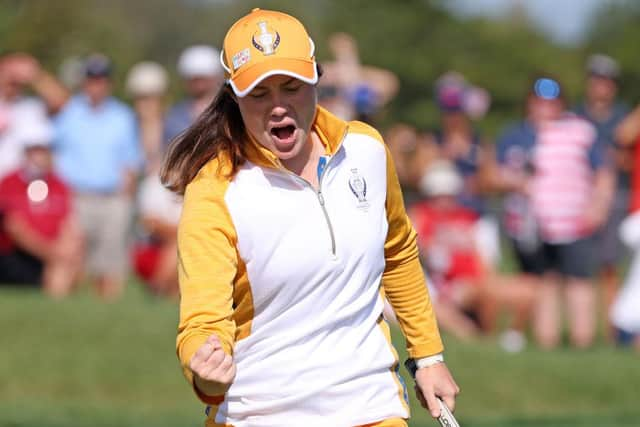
(44, 204)
(634, 204)
(447, 242)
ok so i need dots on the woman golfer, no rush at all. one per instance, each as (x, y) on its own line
(292, 233)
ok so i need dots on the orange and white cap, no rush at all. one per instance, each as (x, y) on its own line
(266, 43)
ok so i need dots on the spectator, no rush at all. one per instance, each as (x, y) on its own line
(40, 244)
(447, 246)
(458, 142)
(469, 297)
(624, 312)
(147, 84)
(156, 256)
(199, 67)
(403, 142)
(601, 108)
(570, 189)
(99, 156)
(628, 135)
(18, 72)
(351, 90)
(155, 251)
(512, 172)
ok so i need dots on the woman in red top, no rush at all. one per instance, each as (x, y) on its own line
(39, 242)
(624, 312)
(469, 295)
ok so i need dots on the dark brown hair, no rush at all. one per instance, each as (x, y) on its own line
(219, 129)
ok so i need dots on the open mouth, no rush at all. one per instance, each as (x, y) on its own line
(283, 133)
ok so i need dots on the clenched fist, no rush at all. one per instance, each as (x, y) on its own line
(213, 369)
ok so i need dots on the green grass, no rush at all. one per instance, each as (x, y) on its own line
(80, 362)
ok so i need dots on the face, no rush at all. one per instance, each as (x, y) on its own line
(454, 120)
(601, 89)
(541, 110)
(38, 159)
(97, 88)
(279, 113)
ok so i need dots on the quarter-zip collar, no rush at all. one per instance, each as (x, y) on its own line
(329, 128)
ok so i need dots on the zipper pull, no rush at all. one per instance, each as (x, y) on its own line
(320, 198)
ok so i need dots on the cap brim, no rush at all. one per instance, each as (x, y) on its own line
(30, 145)
(301, 69)
(603, 75)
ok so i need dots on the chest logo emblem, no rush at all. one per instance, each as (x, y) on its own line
(358, 186)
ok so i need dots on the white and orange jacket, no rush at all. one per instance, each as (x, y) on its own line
(292, 281)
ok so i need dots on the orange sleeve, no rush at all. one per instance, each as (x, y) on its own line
(207, 266)
(403, 279)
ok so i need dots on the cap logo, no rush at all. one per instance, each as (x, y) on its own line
(265, 41)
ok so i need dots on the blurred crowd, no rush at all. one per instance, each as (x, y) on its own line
(556, 195)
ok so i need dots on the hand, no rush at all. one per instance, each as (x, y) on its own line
(21, 68)
(594, 218)
(213, 369)
(128, 186)
(432, 381)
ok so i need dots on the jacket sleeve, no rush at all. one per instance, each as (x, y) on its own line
(207, 265)
(403, 279)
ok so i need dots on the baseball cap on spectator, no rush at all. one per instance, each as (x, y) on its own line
(450, 92)
(455, 94)
(199, 61)
(546, 88)
(440, 179)
(97, 65)
(603, 66)
(266, 43)
(146, 79)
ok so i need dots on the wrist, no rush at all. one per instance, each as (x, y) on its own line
(208, 387)
(425, 362)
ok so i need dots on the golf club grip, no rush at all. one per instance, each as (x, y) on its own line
(446, 418)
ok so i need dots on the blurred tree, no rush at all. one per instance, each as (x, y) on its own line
(615, 32)
(417, 39)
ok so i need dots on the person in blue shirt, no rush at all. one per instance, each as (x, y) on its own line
(98, 154)
(199, 67)
(602, 109)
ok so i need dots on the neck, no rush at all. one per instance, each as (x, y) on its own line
(95, 102)
(306, 163)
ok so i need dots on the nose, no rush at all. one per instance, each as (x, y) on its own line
(278, 103)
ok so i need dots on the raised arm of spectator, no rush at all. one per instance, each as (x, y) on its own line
(26, 70)
(629, 128)
(132, 156)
